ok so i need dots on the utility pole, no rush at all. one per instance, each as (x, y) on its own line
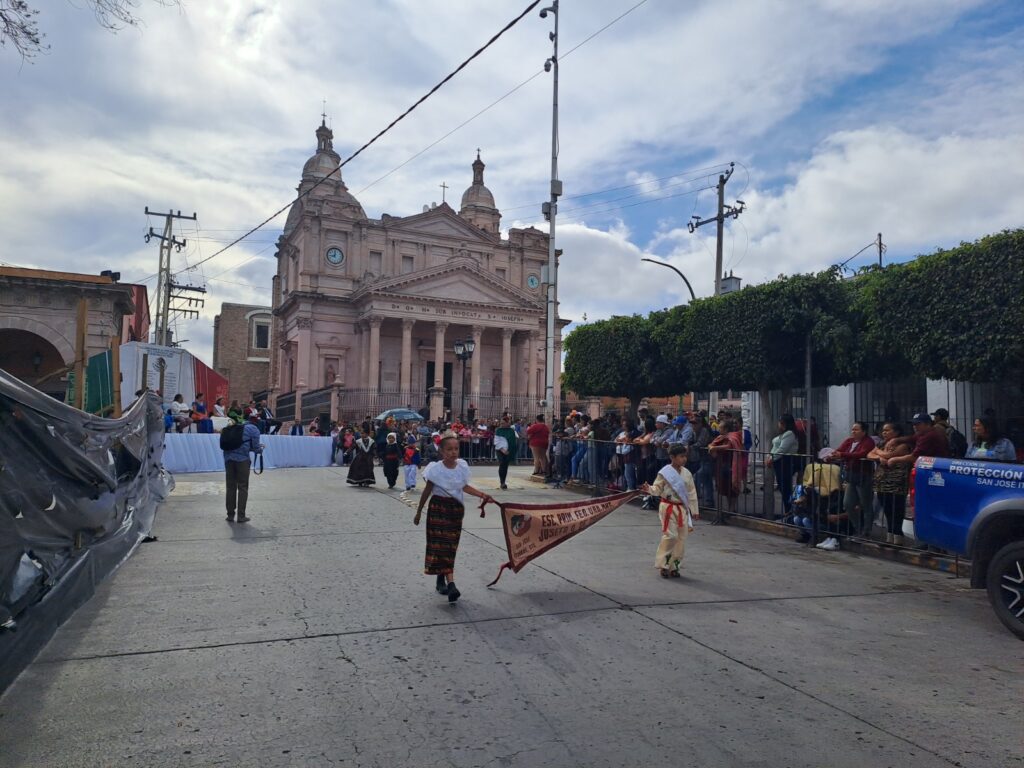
(549, 209)
(81, 340)
(164, 284)
(724, 212)
(881, 249)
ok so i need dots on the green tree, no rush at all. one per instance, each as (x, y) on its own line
(757, 338)
(618, 357)
(953, 314)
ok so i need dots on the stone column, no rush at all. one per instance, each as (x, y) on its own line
(404, 376)
(506, 367)
(337, 398)
(304, 363)
(439, 329)
(374, 356)
(474, 368)
(531, 369)
(437, 391)
(364, 354)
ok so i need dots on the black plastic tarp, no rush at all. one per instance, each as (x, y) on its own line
(78, 493)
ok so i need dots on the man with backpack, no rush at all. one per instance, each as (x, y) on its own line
(955, 438)
(237, 441)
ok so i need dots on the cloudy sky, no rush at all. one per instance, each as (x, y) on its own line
(844, 118)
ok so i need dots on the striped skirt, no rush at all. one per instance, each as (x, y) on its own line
(444, 527)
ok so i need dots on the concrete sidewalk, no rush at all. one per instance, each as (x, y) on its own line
(310, 637)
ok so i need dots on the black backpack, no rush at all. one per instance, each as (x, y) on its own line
(957, 442)
(231, 437)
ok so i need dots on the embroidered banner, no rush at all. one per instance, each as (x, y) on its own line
(533, 529)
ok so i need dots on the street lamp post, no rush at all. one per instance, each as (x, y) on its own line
(693, 296)
(464, 351)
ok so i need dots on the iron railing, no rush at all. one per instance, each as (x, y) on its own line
(315, 402)
(285, 410)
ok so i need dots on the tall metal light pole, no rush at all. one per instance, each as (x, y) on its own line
(550, 209)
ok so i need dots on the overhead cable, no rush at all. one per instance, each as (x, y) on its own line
(387, 128)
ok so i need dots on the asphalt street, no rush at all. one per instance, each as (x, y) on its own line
(310, 636)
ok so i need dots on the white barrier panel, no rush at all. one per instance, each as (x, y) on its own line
(202, 453)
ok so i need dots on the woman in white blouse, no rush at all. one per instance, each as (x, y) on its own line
(447, 481)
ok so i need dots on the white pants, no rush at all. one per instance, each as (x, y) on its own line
(410, 476)
(674, 530)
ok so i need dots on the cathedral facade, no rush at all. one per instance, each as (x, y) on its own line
(373, 308)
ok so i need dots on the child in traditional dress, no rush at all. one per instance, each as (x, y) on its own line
(411, 462)
(361, 470)
(675, 488)
(391, 457)
(447, 481)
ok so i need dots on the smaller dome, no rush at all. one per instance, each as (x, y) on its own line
(477, 195)
(326, 161)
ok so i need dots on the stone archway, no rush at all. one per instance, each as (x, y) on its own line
(33, 359)
(64, 347)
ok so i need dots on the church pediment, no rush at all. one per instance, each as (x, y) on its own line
(442, 222)
(459, 281)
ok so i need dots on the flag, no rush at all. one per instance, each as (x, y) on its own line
(533, 529)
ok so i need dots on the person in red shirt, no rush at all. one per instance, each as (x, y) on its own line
(853, 454)
(538, 435)
(928, 440)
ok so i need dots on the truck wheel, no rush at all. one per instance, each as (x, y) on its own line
(1006, 586)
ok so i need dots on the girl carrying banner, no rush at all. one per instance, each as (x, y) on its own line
(675, 488)
(447, 481)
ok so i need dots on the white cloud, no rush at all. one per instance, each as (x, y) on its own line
(213, 110)
(920, 193)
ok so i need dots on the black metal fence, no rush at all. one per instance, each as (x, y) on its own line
(359, 404)
(818, 502)
(285, 410)
(314, 403)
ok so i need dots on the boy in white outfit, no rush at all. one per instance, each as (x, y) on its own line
(677, 509)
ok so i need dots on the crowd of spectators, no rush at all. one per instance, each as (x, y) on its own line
(867, 478)
(848, 488)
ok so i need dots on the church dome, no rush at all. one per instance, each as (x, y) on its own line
(324, 163)
(477, 195)
(325, 160)
(321, 164)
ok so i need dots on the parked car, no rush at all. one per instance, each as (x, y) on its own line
(976, 509)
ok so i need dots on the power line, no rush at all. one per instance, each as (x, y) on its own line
(599, 203)
(387, 128)
(642, 202)
(625, 186)
(464, 123)
(497, 101)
